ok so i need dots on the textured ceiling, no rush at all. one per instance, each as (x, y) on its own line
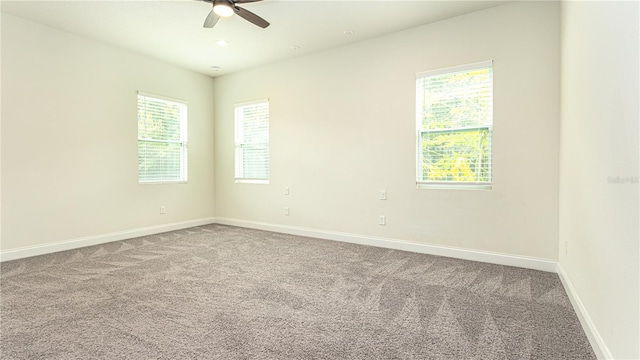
(172, 30)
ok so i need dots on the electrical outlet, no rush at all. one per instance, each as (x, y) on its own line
(286, 190)
(286, 211)
(383, 194)
(163, 210)
(382, 220)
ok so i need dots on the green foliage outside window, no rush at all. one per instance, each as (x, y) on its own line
(455, 127)
(161, 141)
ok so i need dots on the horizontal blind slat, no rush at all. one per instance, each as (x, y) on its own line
(162, 139)
(252, 141)
(454, 120)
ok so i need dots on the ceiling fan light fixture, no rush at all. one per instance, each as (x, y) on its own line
(222, 8)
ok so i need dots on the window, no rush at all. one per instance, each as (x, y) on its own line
(454, 116)
(252, 142)
(162, 139)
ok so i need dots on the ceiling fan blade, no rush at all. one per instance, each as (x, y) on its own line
(211, 20)
(245, 1)
(251, 17)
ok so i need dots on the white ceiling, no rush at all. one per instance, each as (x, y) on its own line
(171, 30)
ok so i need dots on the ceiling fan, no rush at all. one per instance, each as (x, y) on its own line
(226, 8)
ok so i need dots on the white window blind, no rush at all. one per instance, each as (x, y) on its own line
(252, 142)
(162, 139)
(454, 116)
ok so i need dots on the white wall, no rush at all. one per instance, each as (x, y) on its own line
(599, 214)
(69, 138)
(0, 137)
(342, 128)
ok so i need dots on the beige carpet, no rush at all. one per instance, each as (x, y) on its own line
(220, 292)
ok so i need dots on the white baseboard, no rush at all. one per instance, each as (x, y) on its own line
(98, 239)
(459, 253)
(596, 341)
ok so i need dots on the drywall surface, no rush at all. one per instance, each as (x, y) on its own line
(599, 212)
(342, 127)
(0, 138)
(69, 138)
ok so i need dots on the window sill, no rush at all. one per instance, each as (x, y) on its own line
(454, 186)
(162, 182)
(251, 181)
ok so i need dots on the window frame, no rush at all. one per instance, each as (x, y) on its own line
(184, 156)
(420, 132)
(239, 142)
